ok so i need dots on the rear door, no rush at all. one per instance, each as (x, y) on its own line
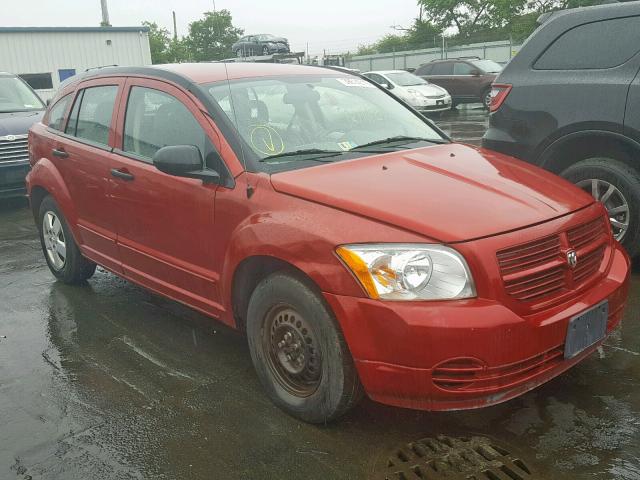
(442, 74)
(463, 81)
(83, 155)
(165, 223)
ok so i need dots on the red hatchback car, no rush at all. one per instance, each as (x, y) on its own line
(355, 244)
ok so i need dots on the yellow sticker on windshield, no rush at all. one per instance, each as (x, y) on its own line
(266, 140)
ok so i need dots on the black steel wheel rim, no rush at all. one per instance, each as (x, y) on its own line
(292, 351)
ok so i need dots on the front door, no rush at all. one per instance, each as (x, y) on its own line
(165, 223)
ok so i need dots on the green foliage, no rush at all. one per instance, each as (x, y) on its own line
(211, 37)
(159, 39)
(471, 16)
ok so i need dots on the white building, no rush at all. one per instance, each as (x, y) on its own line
(45, 56)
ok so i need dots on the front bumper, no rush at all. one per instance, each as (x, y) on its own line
(12, 178)
(429, 105)
(396, 345)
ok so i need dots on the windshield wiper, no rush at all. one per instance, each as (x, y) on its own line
(397, 139)
(307, 151)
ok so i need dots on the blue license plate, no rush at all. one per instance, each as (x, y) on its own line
(586, 329)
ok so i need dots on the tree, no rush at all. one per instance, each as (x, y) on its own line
(211, 37)
(159, 40)
(471, 16)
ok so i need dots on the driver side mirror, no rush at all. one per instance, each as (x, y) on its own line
(386, 85)
(184, 161)
(475, 72)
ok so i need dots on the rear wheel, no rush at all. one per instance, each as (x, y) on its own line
(60, 249)
(617, 186)
(298, 350)
(486, 98)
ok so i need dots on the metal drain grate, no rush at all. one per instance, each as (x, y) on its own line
(443, 457)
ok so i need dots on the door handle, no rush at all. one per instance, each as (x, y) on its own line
(60, 153)
(122, 174)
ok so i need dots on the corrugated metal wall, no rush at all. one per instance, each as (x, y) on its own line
(49, 52)
(496, 51)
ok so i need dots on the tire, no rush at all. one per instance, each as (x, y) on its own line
(626, 180)
(327, 385)
(239, 53)
(265, 50)
(70, 267)
(486, 98)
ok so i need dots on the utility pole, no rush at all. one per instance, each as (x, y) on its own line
(175, 28)
(105, 14)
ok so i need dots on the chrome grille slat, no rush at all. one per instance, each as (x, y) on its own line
(537, 270)
(14, 150)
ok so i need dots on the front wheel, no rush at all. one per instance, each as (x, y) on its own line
(617, 186)
(265, 50)
(298, 350)
(60, 249)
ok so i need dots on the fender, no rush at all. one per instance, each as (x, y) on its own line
(547, 153)
(44, 174)
(271, 239)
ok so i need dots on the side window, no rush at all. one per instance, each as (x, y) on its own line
(155, 119)
(604, 44)
(424, 70)
(377, 78)
(90, 117)
(461, 68)
(56, 114)
(445, 68)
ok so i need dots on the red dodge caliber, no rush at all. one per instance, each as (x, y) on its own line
(359, 249)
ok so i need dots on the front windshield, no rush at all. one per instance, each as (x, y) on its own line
(16, 96)
(488, 66)
(279, 116)
(406, 79)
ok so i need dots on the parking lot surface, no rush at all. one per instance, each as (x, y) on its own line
(109, 381)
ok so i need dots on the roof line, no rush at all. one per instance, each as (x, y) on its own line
(71, 29)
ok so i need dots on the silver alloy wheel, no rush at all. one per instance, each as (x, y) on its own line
(54, 240)
(487, 99)
(614, 202)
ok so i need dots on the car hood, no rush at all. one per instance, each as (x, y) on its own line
(449, 193)
(18, 123)
(428, 89)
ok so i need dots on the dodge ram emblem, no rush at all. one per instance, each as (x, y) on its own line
(572, 258)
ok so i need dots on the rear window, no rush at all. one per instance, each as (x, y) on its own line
(90, 118)
(423, 70)
(598, 45)
(442, 69)
(56, 115)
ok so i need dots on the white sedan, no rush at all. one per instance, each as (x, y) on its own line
(417, 92)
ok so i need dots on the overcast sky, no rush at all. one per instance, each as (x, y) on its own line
(335, 25)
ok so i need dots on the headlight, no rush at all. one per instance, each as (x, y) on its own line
(409, 271)
(415, 93)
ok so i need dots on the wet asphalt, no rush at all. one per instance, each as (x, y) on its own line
(109, 381)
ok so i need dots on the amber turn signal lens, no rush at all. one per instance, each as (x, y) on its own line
(360, 270)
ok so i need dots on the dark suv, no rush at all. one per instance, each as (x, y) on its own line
(468, 80)
(570, 102)
(20, 108)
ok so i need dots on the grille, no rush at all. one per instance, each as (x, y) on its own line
(538, 270)
(14, 148)
(435, 97)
